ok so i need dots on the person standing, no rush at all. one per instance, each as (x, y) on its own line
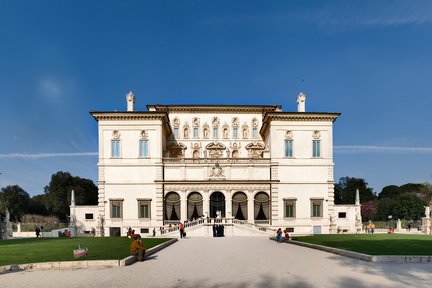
(38, 232)
(137, 248)
(181, 230)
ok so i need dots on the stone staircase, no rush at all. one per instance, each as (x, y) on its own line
(231, 229)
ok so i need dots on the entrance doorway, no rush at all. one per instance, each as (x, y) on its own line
(217, 205)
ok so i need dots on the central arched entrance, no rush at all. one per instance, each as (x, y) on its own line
(217, 205)
(194, 206)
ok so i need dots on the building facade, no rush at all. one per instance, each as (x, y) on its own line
(255, 163)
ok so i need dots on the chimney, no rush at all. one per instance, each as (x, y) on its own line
(301, 102)
(130, 102)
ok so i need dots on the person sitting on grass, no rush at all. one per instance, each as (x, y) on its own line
(137, 249)
(279, 236)
(287, 237)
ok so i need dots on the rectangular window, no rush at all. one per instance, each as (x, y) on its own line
(144, 230)
(143, 148)
(288, 148)
(235, 132)
(215, 132)
(316, 148)
(254, 133)
(195, 132)
(115, 148)
(89, 216)
(176, 132)
(317, 206)
(117, 209)
(342, 215)
(144, 208)
(289, 208)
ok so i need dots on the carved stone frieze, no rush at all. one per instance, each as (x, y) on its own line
(217, 187)
(215, 149)
(217, 173)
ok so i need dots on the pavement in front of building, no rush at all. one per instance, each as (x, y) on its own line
(239, 262)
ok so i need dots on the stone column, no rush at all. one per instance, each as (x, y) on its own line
(228, 204)
(250, 203)
(206, 204)
(183, 206)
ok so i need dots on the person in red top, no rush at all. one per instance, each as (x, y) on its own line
(181, 230)
(137, 248)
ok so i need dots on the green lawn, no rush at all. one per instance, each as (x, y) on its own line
(375, 244)
(34, 250)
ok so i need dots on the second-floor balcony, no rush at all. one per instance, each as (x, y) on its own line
(216, 160)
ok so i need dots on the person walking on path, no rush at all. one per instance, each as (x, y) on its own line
(181, 230)
(137, 248)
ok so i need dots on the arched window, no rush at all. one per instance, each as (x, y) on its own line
(172, 207)
(239, 206)
(262, 206)
(194, 206)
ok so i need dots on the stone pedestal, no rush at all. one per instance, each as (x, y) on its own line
(426, 225)
(398, 226)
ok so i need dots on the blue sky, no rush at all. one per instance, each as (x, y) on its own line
(369, 60)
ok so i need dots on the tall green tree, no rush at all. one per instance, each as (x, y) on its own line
(385, 208)
(391, 191)
(37, 205)
(409, 206)
(345, 190)
(58, 193)
(16, 200)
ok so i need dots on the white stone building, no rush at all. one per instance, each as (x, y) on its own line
(255, 163)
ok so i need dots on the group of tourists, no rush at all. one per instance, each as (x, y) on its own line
(218, 230)
(370, 227)
(285, 236)
(130, 233)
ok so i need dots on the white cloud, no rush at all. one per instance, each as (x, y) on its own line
(46, 155)
(380, 150)
(378, 13)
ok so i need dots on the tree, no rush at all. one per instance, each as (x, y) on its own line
(345, 190)
(385, 208)
(391, 191)
(369, 210)
(37, 205)
(15, 199)
(409, 206)
(58, 193)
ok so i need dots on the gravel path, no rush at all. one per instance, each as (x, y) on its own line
(239, 262)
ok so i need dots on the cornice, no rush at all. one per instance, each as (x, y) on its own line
(298, 116)
(214, 108)
(133, 116)
(100, 116)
